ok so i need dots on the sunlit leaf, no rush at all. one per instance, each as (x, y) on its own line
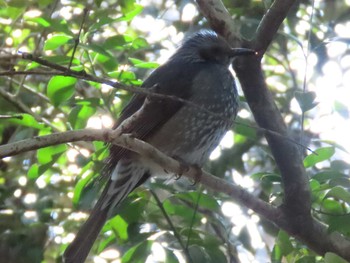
(40, 20)
(142, 64)
(306, 100)
(203, 200)
(28, 121)
(330, 257)
(284, 243)
(129, 14)
(139, 43)
(339, 222)
(118, 41)
(56, 41)
(47, 154)
(276, 255)
(324, 153)
(80, 115)
(120, 227)
(138, 253)
(96, 48)
(60, 89)
(339, 193)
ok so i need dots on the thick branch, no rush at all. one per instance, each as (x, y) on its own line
(295, 217)
(312, 232)
(270, 24)
(220, 20)
(148, 151)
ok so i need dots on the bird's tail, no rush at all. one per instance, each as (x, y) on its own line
(79, 249)
(126, 176)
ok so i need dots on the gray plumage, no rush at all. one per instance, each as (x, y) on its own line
(197, 72)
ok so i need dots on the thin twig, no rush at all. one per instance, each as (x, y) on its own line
(4, 117)
(76, 40)
(270, 24)
(193, 218)
(302, 126)
(88, 77)
(172, 227)
(21, 106)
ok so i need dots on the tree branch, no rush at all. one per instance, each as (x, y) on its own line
(270, 24)
(295, 213)
(220, 20)
(312, 232)
(129, 142)
(63, 71)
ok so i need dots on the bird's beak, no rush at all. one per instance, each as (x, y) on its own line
(242, 52)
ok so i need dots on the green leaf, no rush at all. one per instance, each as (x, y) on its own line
(339, 193)
(60, 89)
(330, 257)
(139, 43)
(332, 207)
(103, 244)
(242, 127)
(28, 121)
(80, 115)
(170, 257)
(327, 175)
(276, 255)
(323, 154)
(96, 48)
(284, 243)
(339, 222)
(12, 11)
(204, 200)
(33, 171)
(116, 41)
(342, 109)
(62, 60)
(102, 20)
(56, 41)
(85, 191)
(184, 213)
(120, 227)
(48, 154)
(123, 76)
(306, 100)
(46, 158)
(306, 259)
(143, 64)
(138, 253)
(269, 177)
(40, 21)
(129, 15)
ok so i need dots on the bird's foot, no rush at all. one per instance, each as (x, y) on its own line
(184, 167)
(197, 174)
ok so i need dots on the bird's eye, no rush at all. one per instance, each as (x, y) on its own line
(211, 53)
(216, 50)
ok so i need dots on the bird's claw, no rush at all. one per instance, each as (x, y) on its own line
(197, 174)
(184, 167)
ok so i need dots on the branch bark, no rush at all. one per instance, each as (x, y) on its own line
(129, 142)
(295, 214)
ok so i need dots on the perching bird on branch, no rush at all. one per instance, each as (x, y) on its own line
(188, 131)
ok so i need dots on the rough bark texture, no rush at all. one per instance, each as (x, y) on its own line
(295, 213)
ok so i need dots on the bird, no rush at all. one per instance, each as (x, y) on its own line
(187, 129)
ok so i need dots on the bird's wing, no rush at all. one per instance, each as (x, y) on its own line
(169, 79)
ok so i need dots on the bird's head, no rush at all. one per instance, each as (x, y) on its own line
(206, 45)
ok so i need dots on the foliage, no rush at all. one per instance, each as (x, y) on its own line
(46, 194)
